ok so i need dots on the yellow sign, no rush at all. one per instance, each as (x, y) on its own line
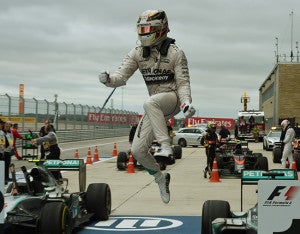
(17, 119)
(21, 100)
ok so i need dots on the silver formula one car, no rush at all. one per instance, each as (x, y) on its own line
(217, 218)
(40, 202)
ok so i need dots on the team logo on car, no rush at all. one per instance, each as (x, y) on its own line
(135, 224)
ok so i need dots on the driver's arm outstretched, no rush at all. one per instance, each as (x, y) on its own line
(164, 68)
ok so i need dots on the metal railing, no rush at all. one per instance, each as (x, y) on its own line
(31, 114)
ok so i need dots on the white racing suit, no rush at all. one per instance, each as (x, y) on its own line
(168, 83)
(288, 147)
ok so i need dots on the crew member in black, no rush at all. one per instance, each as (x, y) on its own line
(210, 141)
(224, 134)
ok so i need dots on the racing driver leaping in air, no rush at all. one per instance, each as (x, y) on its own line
(165, 71)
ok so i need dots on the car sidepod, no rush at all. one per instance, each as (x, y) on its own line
(24, 210)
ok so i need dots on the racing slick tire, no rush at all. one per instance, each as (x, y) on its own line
(211, 210)
(122, 161)
(1, 201)
(182, 142)
(98, 201)
(262, 164)
(257, 155)
(277, 154)
(162, 165)
(177, 151)
(55, 218)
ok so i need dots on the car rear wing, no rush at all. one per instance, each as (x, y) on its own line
(251, 177)
(69, 165)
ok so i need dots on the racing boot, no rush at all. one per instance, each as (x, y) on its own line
(163, 181)
(205, 172)
(209, 171)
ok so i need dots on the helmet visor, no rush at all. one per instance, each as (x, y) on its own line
(144, 30)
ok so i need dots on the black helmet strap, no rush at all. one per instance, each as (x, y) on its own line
(163, 49)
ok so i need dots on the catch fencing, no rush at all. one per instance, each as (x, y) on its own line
(31, 114)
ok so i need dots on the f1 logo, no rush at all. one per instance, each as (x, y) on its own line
(276, 192)
(289, 194)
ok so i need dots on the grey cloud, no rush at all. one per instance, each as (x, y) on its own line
(59, 47)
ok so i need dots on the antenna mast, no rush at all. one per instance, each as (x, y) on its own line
(277, 55)
(292, 29)
(297, 51)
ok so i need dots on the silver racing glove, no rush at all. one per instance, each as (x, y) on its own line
(187, 109)
(104, 78)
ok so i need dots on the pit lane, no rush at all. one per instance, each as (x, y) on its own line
(136, 203)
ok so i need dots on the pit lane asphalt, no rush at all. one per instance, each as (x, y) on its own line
(138, 194)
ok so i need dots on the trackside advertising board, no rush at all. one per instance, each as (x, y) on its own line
(228, 123)
(278, 206)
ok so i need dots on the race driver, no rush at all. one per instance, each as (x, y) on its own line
(164, 68)
(287, 138)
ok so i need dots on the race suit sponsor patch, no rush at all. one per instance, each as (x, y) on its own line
(157, 79)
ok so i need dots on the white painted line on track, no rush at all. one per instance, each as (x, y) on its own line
(83, 147)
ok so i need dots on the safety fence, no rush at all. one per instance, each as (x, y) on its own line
(31, 114)
(80, 135)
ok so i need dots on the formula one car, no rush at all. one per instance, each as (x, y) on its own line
(217, 218)
(39, 201)
(123, 157)
(234, 156)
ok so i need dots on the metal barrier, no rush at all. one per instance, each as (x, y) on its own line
(80, 135)
(31, 114)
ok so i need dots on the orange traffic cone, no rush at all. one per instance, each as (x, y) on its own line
(130, 165)
(89, 158)
(96, 155)
(115, 151)
(294, 165)
(214, 176)
(76, 154)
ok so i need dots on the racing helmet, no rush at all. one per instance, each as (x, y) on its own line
(211, 126)
(284, 124)
(152, 27)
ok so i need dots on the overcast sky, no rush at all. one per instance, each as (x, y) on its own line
(59, 47)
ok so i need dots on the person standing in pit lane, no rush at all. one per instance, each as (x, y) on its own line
(7, 139)
(165, 71)
(52, 150)
(287, 138)
(224, 134)
(43, 133)
(16, 135)
(210, 141)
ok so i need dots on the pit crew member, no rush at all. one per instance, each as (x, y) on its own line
(210, 141)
